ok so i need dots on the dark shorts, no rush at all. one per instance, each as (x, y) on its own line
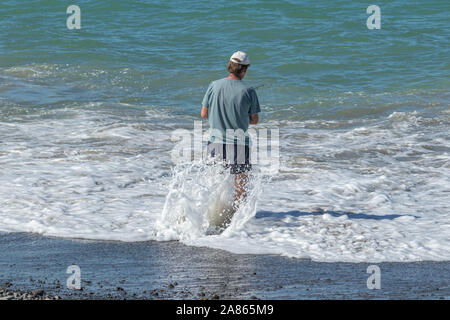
(236, 157)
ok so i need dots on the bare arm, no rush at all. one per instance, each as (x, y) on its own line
(204, 112)
(254, 118)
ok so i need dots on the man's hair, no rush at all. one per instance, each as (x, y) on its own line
(236, 68)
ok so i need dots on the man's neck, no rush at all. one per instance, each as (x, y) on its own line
(233, 77)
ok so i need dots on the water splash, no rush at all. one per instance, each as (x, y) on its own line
(200, 201)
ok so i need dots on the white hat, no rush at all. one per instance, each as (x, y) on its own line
(240, 57)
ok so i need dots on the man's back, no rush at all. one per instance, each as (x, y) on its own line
(230, 104)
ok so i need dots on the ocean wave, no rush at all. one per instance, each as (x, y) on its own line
(360, 190)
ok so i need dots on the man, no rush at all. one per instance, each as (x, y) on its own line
(230, 106)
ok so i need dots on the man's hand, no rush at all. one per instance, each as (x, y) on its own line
(254, 118)
(204, 112)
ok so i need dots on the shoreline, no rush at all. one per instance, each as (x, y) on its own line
(34, 267)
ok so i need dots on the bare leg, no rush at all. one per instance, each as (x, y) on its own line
(240, 183)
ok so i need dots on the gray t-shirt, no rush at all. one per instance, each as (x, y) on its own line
(230, 104)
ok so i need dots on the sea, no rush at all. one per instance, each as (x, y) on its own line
(88, 115)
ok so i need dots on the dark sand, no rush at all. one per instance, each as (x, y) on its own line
(171, 270)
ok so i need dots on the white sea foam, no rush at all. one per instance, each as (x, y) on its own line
(373, 190)
(200, 197)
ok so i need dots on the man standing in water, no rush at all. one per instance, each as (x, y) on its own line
(231, 106)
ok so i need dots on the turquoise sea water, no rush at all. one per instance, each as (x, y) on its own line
(86, 117)
(308, 54)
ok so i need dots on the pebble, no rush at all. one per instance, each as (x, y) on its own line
(38, 294)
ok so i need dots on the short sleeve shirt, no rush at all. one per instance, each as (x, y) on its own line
(230, 104)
